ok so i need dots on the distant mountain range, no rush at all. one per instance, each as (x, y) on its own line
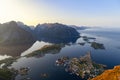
(55, 31)
(18, 33)
(79, 27)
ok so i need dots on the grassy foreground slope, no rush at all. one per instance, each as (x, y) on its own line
(111, 74)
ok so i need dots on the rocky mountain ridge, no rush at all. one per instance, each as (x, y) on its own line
(18, 33)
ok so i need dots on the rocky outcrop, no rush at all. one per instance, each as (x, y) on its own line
(111, 74)
(83, 67)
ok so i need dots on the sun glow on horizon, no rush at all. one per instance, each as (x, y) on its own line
(12, 10)
(32, 12)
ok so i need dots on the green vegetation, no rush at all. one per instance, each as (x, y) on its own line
(110, 74)
(1, 39)
(85, 38)
(55, 48)
(97, 45)
(8, 61)
(6, 74)
(98, 66)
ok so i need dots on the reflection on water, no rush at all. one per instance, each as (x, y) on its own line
(4, 57)
(107, 53)
(15, 50)
(53, 49)
(59, 40)
(41, 62)
(37, 45)
(46, 41)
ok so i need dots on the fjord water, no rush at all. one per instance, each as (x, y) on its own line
(45, 63)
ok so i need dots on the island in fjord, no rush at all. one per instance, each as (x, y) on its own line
(83, 66)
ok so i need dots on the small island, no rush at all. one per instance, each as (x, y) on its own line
(83, 66)
(54, 48)
(96, 45)
(87, 39)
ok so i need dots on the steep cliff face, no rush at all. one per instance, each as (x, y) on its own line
(55, 32)
(11, 33)
(19, 33)
(112, 74)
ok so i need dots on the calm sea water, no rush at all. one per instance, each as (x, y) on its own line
(109, 56)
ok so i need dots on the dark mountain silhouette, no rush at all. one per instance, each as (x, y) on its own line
(56, 32)
(25, 27)
(12, 33)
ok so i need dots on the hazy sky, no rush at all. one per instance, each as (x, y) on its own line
(77, 12)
